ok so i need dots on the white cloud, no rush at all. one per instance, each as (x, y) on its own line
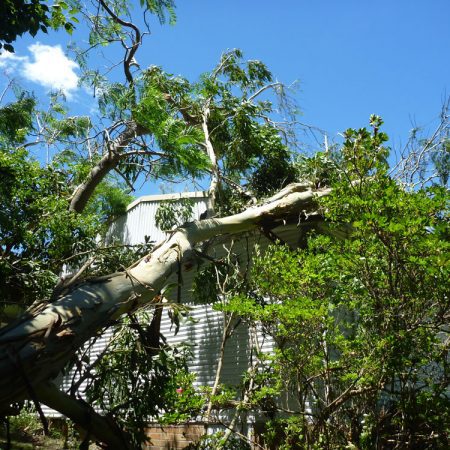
(51, 68)
(48, 66)
(10, 61)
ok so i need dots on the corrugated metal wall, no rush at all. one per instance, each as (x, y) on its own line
(204, 331)
(139, 221)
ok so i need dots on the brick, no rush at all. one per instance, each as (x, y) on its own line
(173, 437)
(154, 435)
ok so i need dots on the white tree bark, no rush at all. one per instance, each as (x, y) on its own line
(214, 165)
(100, 428)
(36, 348)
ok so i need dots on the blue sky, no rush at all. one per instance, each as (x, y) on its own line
(352, 58)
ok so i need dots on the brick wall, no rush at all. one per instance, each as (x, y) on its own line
(173, 437)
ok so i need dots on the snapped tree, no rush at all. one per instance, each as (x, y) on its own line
(224, 129)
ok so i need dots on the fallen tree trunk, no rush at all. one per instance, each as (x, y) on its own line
(36, 347)
(101, 428)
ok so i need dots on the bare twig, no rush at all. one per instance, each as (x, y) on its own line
(264, 88)
(136, 41)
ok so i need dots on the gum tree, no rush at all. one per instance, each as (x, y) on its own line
(224, 129)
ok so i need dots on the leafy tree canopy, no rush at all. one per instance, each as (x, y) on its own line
(360, 323)
(358, 313)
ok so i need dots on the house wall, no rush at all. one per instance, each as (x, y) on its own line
(130, 229)
(139, 220)
(201, 330)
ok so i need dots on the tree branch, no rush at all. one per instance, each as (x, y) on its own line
(47, 339)
(212, 157)
(108, 162)
(264, 88)
(83, 414)
(130, 52)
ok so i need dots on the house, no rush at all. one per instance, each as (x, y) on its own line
(205, 330)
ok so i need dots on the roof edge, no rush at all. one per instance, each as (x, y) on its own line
(163, 197)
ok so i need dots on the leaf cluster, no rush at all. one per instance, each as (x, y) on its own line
(21, 16)
(360, 324)
(36, 230)
(38, 234)
(173, 213)
(136, 383)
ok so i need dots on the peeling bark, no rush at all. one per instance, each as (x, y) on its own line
(43, 341)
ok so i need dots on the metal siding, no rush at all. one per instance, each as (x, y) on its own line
(139, 221)
(204, 335)
(131, 229)
(204, 332)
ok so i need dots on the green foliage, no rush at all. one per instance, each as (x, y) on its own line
(106, 29)
(321, 169)
(71, 126)
(173, 213)
(273, 170)
(22, 16)
(244, 143)
(27, 432)
(27, 420)
(441, 160)
(221, 399)
(182, 401)
(288, 432)
(37, 232)
(360, 324)
(115, 99)
(136, 383)
(205, 287)
(110, 201)
(363, 152)
(16, 120)
(163, 9)
(246, 147)
(216, 440)
(180, 141)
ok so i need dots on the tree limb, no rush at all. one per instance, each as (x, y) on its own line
(137, 40)
(213, 159)
(108, 162)
(101, 428)
(47, 339)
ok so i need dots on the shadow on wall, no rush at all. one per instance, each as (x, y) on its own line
(207, 334)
